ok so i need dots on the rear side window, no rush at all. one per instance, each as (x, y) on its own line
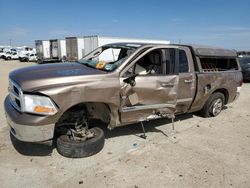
(212, 64)
(183, 62)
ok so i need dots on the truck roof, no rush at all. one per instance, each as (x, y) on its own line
(198, 50)
(201, 50)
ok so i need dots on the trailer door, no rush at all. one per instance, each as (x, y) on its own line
(54, 49)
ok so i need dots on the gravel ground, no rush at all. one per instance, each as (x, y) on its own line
(211, 152)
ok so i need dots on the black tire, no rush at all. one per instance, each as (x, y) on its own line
(39, 61)
(8, 58)
(213, 107)
(72, 149)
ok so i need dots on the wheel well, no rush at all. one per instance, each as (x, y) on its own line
(95, 110)
(224, 92)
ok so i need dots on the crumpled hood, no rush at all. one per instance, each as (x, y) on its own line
(51, 75)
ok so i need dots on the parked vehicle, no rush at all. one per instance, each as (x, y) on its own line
(77, 47)
(118, 84)
(57, 50)
(74, 48)
(42, 50)
(51, 50)
(3, 50)
(28, 57)
(8, 53)
(2, 53)
(245, 66)
(23, 51)
(11, 55)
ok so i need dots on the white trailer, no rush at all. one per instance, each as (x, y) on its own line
(57, 49)
(74, 48)
(92, 42)
(77, 47)
(42, 50)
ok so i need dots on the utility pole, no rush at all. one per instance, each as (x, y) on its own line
(10, 42)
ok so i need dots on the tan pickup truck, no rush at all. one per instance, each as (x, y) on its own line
(118, 84)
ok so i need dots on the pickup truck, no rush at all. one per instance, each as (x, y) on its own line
(117, 84)
(28, 57)
(11, 55)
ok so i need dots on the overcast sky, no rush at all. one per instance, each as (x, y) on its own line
(222, 23)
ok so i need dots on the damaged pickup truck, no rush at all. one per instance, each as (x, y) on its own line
(118, 84)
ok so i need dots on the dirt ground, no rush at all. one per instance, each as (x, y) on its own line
(212, 152)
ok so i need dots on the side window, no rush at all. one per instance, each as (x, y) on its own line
(170, 54)
(149, 64)
(183, 62)
(215, 64)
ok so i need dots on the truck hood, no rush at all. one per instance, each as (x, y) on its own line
(51, 75)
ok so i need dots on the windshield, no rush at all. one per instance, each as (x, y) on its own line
(109, 57)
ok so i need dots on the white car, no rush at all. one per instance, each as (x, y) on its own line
(2, 54)
(10, 55)
(28, 57)
(3, 51)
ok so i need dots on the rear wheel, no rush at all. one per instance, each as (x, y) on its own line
(214, 105)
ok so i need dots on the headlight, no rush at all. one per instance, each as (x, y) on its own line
(38, 105)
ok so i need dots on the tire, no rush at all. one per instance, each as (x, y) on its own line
(214, 105)
(39, 61)
(73, 149)
(8, 58)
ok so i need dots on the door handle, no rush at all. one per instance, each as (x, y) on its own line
(167, 85)
(188, 81)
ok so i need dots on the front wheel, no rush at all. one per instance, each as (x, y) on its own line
(77, 148)
(214, 105)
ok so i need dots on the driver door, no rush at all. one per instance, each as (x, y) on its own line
(154, 92)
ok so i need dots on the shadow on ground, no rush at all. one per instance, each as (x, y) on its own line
(31, 149)
(38, 149)
(136, 129)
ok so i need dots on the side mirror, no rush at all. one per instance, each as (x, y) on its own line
(130, 80)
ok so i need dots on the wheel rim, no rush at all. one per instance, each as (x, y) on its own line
(217, 107)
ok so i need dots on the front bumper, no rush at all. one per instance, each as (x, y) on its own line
(26, 127)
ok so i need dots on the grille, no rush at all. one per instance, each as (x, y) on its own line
(15, 95)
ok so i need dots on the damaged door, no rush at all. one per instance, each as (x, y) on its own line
(149, 87)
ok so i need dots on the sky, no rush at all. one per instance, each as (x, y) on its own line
(221, 23)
